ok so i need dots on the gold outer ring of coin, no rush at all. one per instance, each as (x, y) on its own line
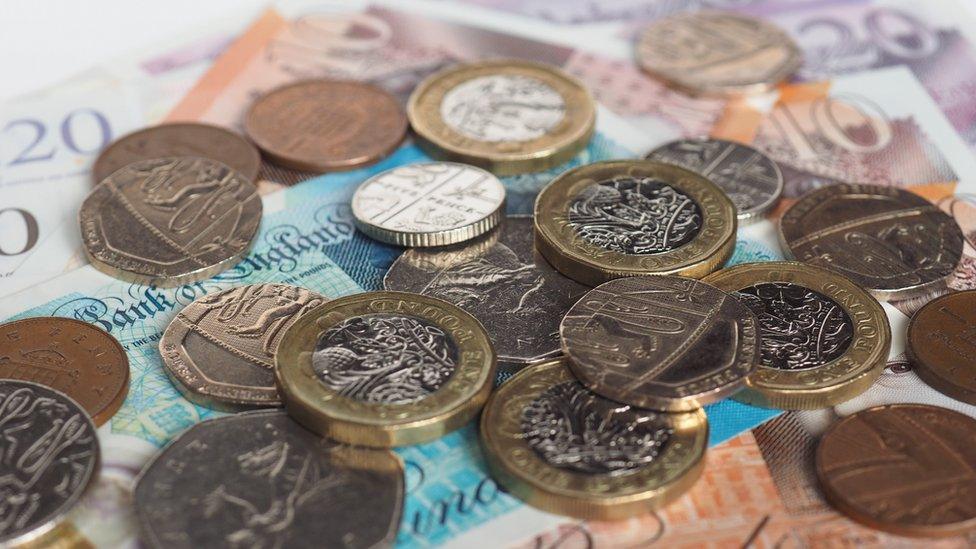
(557, 146)
(353, 421)
(840, 379)
(523, 472)
(562, 246)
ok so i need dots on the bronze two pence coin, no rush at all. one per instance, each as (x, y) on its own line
(180, 139)
(326, 125)
(942, 344)
(908, 469)
(74, 357)
(887, 240)
(219, 351)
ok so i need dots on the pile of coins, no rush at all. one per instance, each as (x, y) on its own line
(608, 312)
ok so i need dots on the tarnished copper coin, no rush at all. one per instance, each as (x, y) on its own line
(220, 349)
(326, 125)
(718, 53)
(661, 342)
(942, 344)
(179, 139)
(889, 241)
(909, 469)
(74, 357)
(169, 221)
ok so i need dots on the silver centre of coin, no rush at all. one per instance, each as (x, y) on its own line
(503, 107)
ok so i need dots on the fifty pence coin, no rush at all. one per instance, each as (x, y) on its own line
(507, 116)
(621, 218)
(890, 241)
(822, 339)
(219, 350)
(502, 281)
(169, 221)
(941, 346)
(385, 369)
(258, 479)
(752, 181)
(50, 457)
(428, 204)
(661, 342)
(718, 53)
(326, 125)
(180, 139)
(908, 469)
(74, 357)
(567, 450)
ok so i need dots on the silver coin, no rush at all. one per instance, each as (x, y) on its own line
(258, 479)
(429, 204)
(752, 180)
(502, 281)
(49, 455)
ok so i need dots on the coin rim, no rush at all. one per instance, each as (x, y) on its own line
(838, 502)
(553, 148)
(822, 386)
(322, 165)
(513, 462)
(584, 262)
(745, 217)
(932, 374)
(817, 196)
(674, 79)
(353, 421)
(427, 239)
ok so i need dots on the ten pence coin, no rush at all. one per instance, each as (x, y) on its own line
(180, 139)
(326, 125)
(74, 357)
(908, 469)
(942, 344)
(169, 221)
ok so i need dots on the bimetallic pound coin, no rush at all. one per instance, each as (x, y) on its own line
(428, 204)
(751, 180)
(822, 339)
(74, 357)
(50, 457)
(718, 53)
(326, 125)
(180, 139)
(169, 221)
(908, 469)
(942, 344)
(502, 281)
(258, 479)
(564, 449)
(385, 369)
(613, 219)
(662, 342)
(889, 241)
(507, 116)
(219, 350)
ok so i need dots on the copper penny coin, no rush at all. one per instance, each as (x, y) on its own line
(908, 469)
(942, 344)
(170, 221)
(219, 350)
(74, 357)
(887, 240)
(326, 125)
(180, 139)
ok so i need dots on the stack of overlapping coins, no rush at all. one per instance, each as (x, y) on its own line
(606, 319)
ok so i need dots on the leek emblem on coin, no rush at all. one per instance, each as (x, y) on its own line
(823, 339)
(506, 116)
(626, 218)
(385, 368)
(564, 449)
(170, 221)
